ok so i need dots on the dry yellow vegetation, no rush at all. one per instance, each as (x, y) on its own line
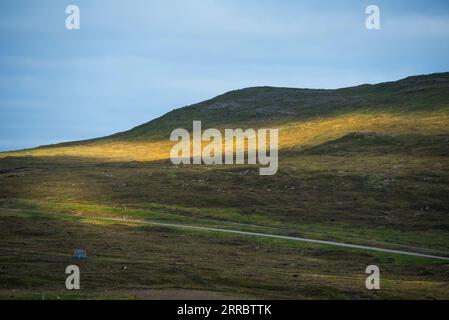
(299, 134)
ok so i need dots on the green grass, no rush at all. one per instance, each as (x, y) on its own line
(158, 259)
(364, 165)
(381, 237)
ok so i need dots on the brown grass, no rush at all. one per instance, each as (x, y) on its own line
(292, 135)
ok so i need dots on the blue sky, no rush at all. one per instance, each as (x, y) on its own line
(134, 60)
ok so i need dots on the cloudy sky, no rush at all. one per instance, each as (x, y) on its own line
(134, 60)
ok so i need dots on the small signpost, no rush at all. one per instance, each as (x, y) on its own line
(80, 254)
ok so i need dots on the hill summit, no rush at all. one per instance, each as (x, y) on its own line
(305, 117)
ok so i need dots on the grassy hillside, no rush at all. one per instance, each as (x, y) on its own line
(365, 165)
(305, 117)
(276, 106)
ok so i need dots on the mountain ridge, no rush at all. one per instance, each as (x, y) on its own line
(229, 106)
(306, 117)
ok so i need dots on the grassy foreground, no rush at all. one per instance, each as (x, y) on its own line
(378, 200)
(130, 261)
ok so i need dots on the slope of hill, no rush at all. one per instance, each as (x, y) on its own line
(366, 165)
(305, 117)
(262, 105)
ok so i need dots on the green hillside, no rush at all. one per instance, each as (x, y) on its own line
(267, 105)
(264, 106)
(366, 165)
(305, 118)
